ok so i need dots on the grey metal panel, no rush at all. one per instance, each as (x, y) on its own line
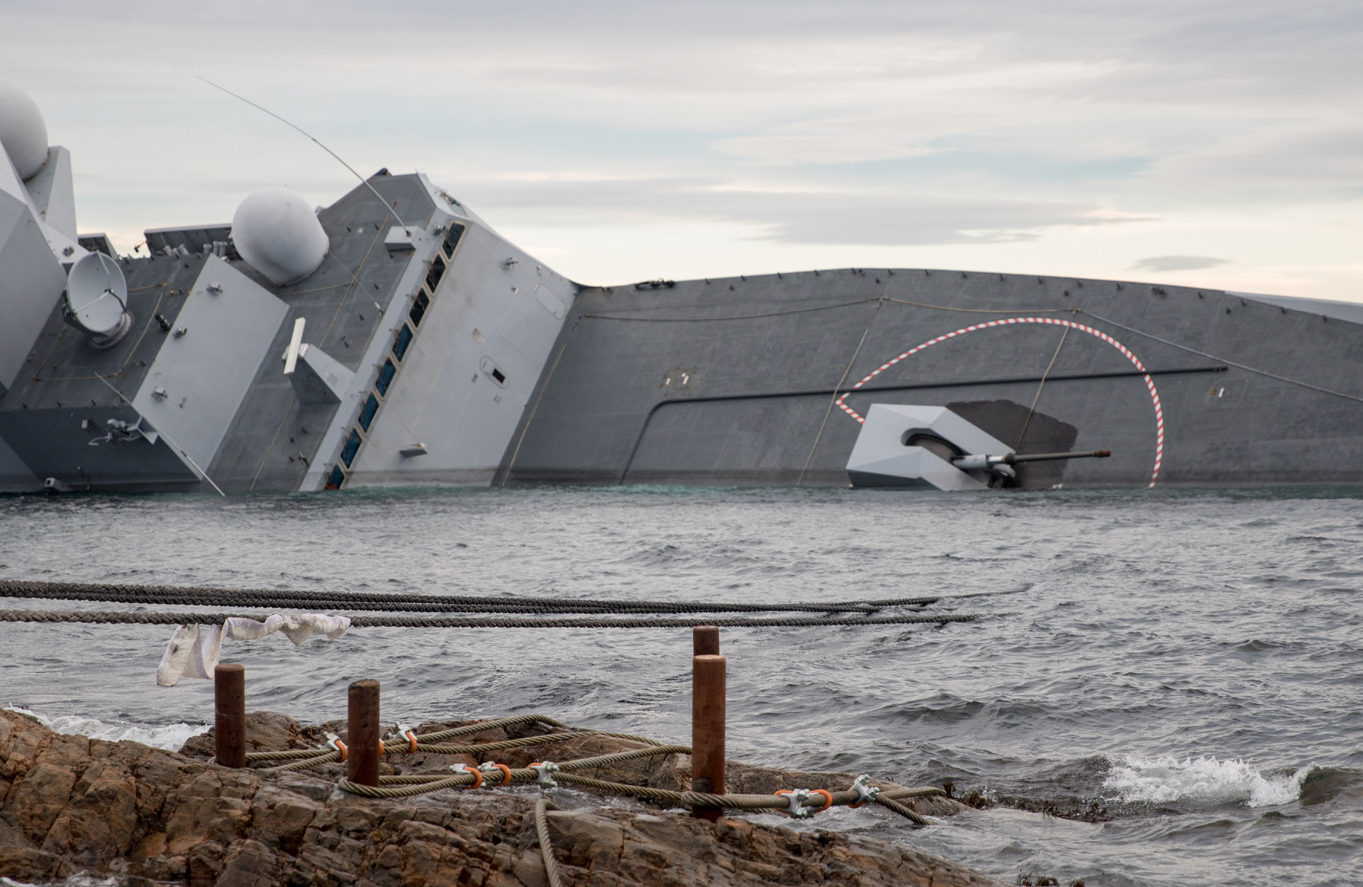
(53, 192)
(15, 476)
(883, 457)
(318, 379)
(31, 285)
(98, 242)
(274, 442)
(63, 369)
(466, 380)
(66, 444)
(197, 381)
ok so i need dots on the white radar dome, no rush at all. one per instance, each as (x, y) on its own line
(22, 131)
(278, 234)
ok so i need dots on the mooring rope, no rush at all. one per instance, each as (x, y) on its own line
(105, 617)
(798, 802)
(388, 602)
(546, 846)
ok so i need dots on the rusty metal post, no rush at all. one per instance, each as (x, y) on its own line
(362, 733)
(707, 730)
(229, 714)
(704, 640)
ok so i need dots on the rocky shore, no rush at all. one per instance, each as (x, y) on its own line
(71, 805)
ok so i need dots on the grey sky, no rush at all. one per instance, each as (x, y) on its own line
(622, 140)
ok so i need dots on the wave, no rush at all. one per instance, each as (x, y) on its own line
(1204, 780)
(170, 737)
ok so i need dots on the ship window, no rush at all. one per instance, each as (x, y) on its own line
(419, 308)
(493, 371)
(336, 479)
(385, 377)
(402, 341)
(437, 271)
(371, 406)
(352, 446)
(452, 238)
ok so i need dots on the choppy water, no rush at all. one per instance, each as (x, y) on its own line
(1185, 669)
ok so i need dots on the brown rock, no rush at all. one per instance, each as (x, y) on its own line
(69, 804)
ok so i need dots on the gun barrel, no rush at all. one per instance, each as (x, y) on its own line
(1014, 458)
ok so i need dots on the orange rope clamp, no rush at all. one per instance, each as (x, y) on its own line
(464, 768)
(489, 766)
(340, 747)
(799, 800)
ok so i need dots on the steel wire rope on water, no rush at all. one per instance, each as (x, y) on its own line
(267, 598)
(646, 319)
(975, 310)
(833, 398)
(97, 617)
(1031, 411)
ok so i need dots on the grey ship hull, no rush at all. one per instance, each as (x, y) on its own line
(737, 381)
(435, 352)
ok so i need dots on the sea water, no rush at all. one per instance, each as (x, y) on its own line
(1171, 697)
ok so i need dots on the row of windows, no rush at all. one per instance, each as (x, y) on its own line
(383, 380)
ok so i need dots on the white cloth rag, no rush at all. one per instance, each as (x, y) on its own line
(192, 653)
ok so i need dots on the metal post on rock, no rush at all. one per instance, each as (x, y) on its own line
(362, 730)
(707, 730)
(229, 714)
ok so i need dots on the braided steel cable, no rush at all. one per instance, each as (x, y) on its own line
(405, 786)
(546, 846)
(501, 745)
(106, 617)
(277, 599)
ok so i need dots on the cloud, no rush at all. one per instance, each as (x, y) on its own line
(961, 128)
(1162, 264)
(790, 213)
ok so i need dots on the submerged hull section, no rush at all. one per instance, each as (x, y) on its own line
(765, 380)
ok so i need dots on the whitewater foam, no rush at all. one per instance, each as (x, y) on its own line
(169, 736)
(1206, 780)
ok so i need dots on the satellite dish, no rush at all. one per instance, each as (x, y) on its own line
(97, 299)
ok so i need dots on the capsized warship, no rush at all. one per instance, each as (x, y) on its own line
(394, 339)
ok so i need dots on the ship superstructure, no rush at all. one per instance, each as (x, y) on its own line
(393, 338)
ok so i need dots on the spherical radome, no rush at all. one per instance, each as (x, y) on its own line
(22, 131)
(278, 234)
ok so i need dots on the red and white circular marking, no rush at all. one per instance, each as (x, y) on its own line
(1048, 321)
